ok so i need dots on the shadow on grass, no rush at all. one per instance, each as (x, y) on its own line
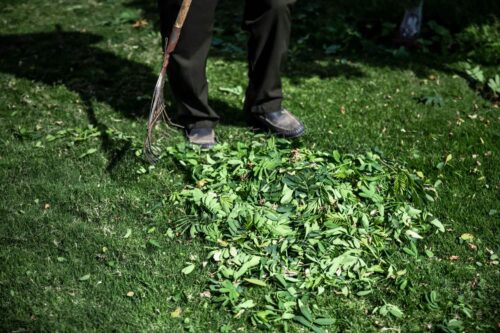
(70, 59)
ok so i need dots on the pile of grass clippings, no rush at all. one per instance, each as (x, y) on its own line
(294, 223)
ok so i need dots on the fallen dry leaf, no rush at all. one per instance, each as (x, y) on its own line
(295, 155)
(468, 237)
(201, 183)
(176, 313)
(140, 23)
(473, 247)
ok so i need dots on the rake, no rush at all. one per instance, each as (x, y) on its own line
(158, 108)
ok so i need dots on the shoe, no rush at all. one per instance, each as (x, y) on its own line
(409, 30)
(203, 137)
(280, 122)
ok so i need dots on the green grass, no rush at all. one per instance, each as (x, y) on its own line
(63, 217)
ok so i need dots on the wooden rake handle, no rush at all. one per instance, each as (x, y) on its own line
(181, 17)
(179, 23)
(158, 103)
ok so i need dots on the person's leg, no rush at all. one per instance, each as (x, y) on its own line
(186, 70)
(268, 23)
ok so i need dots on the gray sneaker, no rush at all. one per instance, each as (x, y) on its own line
(203, 137)
(280, 122)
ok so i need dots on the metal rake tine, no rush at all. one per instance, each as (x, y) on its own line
(157, 108)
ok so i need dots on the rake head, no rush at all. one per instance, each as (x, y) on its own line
(156, 112)
(158, 109)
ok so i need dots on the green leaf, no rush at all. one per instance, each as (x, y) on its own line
(282, 230)
(413, 234)
(128, 233)
(246, 304)
(88, 152)
(494, 84)
(325, 321)
(438, 225)
(306, 312)
(292, 291)
(129, 16)
(364, 292)
(263, 315)
(287, 195)
(281, 280)
(238, 90)
(154, 243)
(188, 269)
(85, 277)
(303, 321)
(256, 282)
(395, 311)
(455, 324)
(254, 261)
(475, 73)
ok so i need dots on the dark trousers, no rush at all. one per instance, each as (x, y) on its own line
(268, 24)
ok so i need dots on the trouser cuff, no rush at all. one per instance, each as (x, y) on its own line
(271, 106)
(201, 124)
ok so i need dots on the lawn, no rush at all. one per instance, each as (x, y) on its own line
(86, 225)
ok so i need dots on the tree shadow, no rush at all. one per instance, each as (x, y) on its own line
(71, 59)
